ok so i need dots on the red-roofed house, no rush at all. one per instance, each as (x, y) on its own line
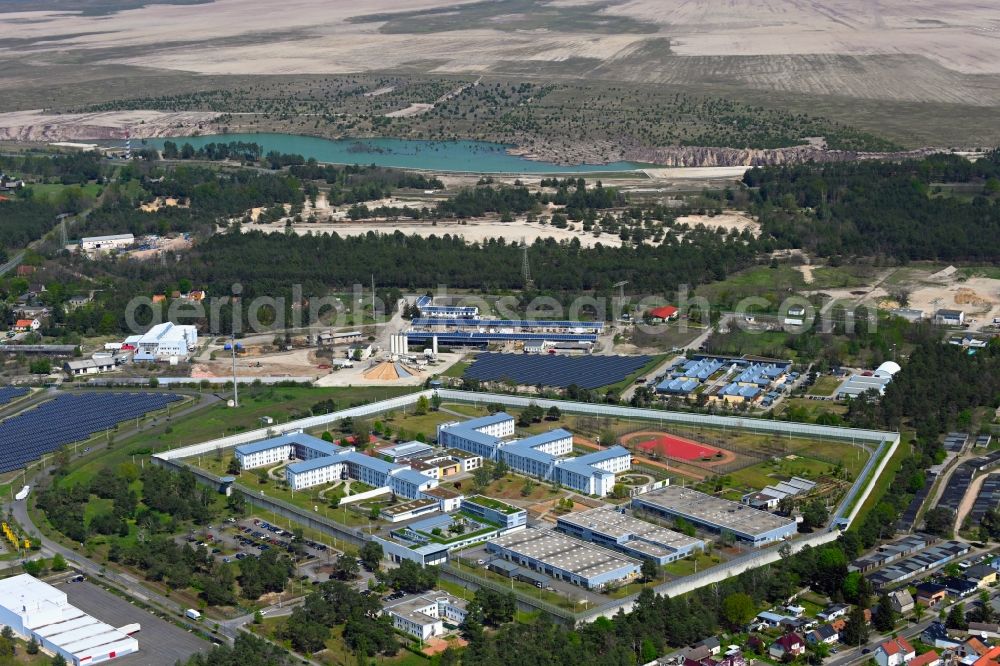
(22, 325)
(662, 313)
(929, 658)
(894, 652)
(789, 644)
(991, 658)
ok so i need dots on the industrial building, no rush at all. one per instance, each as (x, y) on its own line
(617, 530)
(32, 608)
(492, 437)
(855, 385)
(107, 243)
(924, 561)
(424, 615)
(563, 558)
(427, 309)
(716, 514)
(162, 342)
(768, 498)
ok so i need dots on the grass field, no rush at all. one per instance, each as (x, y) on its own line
(51, 191)
(825, 385)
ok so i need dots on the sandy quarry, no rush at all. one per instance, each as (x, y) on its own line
(37, 125)
(922, 44)
(728, 220)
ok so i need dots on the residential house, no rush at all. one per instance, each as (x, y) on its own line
(769, 619)
(662, 314)
(25, 325)
(833, 611)
(937, 635)
(991, 658)
(901, 600)
(972, 649)
(929, 658)
(712, 643)
(982, 575)
(789, 644)
(894, 652)
(949, 317)
(959, 587)
(931, 594)
(823, 634)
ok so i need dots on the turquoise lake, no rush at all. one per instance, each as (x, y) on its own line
(467, 156)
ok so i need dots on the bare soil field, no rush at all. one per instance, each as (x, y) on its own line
(926, 51)
(728, 220)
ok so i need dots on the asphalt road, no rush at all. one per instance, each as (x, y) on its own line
(161, 643)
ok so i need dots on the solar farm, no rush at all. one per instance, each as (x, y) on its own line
(69, 418)
(11, 393)
(587, 372)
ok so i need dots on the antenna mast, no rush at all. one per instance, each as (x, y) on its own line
(526, 266)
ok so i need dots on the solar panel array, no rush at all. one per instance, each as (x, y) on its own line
(69, 418)
(11, 393)
(588, 372)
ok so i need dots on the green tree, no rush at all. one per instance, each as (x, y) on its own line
(499, 470)
(422, 407)
(58, 562)
(649, 570)
(32, 647)
(885, 615)
(738, 609)
(856, 629)
(345, 568)
(371, 555)
(956, 618)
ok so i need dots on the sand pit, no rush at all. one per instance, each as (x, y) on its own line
(728, 220)
(388, 371)
(37, 125)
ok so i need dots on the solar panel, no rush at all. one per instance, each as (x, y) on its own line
(588, 372)
(69, 418)
(11, 393)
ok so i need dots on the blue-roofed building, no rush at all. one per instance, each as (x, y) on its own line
(427, 309)
(406, 451)
(315, 472)
(678, 386)
(409, 483)
(539, 455)
(277, 449)
(737, 394)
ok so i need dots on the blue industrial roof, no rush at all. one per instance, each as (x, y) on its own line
(600, 456)
(412, 476)
(679, 386)
(744, 391)
(376, 464)
(296, 438)
(485, 421)
(315, 463)
(520, 323)
(475, 337)
(534, 441)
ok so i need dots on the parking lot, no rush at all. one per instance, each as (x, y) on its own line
(231, 542)
(161, 643)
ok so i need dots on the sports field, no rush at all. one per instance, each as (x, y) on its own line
(672, 446)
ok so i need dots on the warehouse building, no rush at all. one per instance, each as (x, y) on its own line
(32, 608)
(541, 456)
(617, 530)
(716, 514)
(560, 557)
(163, 342)
(427, 309)
(106, 243)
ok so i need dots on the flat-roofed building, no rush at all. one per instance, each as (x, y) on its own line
(409, 510)
(615, 529)
(106, 243)
(563, 558)
(405, 451)
(716, 514)
(505, 515)
(32, 608)
(540, 455)
(424, 615)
